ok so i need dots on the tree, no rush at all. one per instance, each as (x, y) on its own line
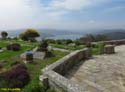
(93, 38)
(29, 34)
(87, 39)
(68, 41)
(4, 34)
(101, 37)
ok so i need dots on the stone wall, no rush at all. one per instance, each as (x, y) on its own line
(55, 73)
(115, 42)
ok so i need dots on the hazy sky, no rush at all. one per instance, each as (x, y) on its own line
(62, 14)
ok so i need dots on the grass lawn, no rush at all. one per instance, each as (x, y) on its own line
(24, 43)
(3, 43)
(95, 51)
(9, 58)
(7, 54)
(67, 47)
(35, 71)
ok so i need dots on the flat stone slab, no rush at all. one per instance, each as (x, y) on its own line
(1, 50)
(36, 55)
(106, 72)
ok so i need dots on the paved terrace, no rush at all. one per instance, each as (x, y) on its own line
(104, 71)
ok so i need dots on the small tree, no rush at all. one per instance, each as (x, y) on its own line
(29, 34)
(68, 41)
(4, 34)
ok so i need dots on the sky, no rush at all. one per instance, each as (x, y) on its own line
(62, 14)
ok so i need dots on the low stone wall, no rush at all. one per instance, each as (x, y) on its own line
(54, 75)
(115, 42)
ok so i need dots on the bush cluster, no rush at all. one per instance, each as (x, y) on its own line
(49, 54)
(17, 77)
(43, 46)
(14, 47)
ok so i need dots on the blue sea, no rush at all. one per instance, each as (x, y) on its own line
(71, 36)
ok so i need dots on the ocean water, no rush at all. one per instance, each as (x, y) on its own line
(70, 36)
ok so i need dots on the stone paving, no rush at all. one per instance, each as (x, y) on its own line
(106, 72)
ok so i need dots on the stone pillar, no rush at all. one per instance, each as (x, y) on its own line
(109, 49)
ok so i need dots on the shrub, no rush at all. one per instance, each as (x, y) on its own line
(14, 63)
(88, 44)
(95, 45)
(14, 47)
(52, 41)
(101, 47)
(35, 87)
(68, 41)
(77, 42)
(58, 41)
(43, 46)
(3, 82)
(1, 66)
(49, 54)
(17, 77)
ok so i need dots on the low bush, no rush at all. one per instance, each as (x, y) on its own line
(14, 47)
(17, 77)
(48, 54)
(14, 63)
(1, 66)
(43, 46)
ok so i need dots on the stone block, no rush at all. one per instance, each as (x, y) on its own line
(109, 49)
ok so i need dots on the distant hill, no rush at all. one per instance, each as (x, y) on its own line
(44, 32)
(51, 33)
